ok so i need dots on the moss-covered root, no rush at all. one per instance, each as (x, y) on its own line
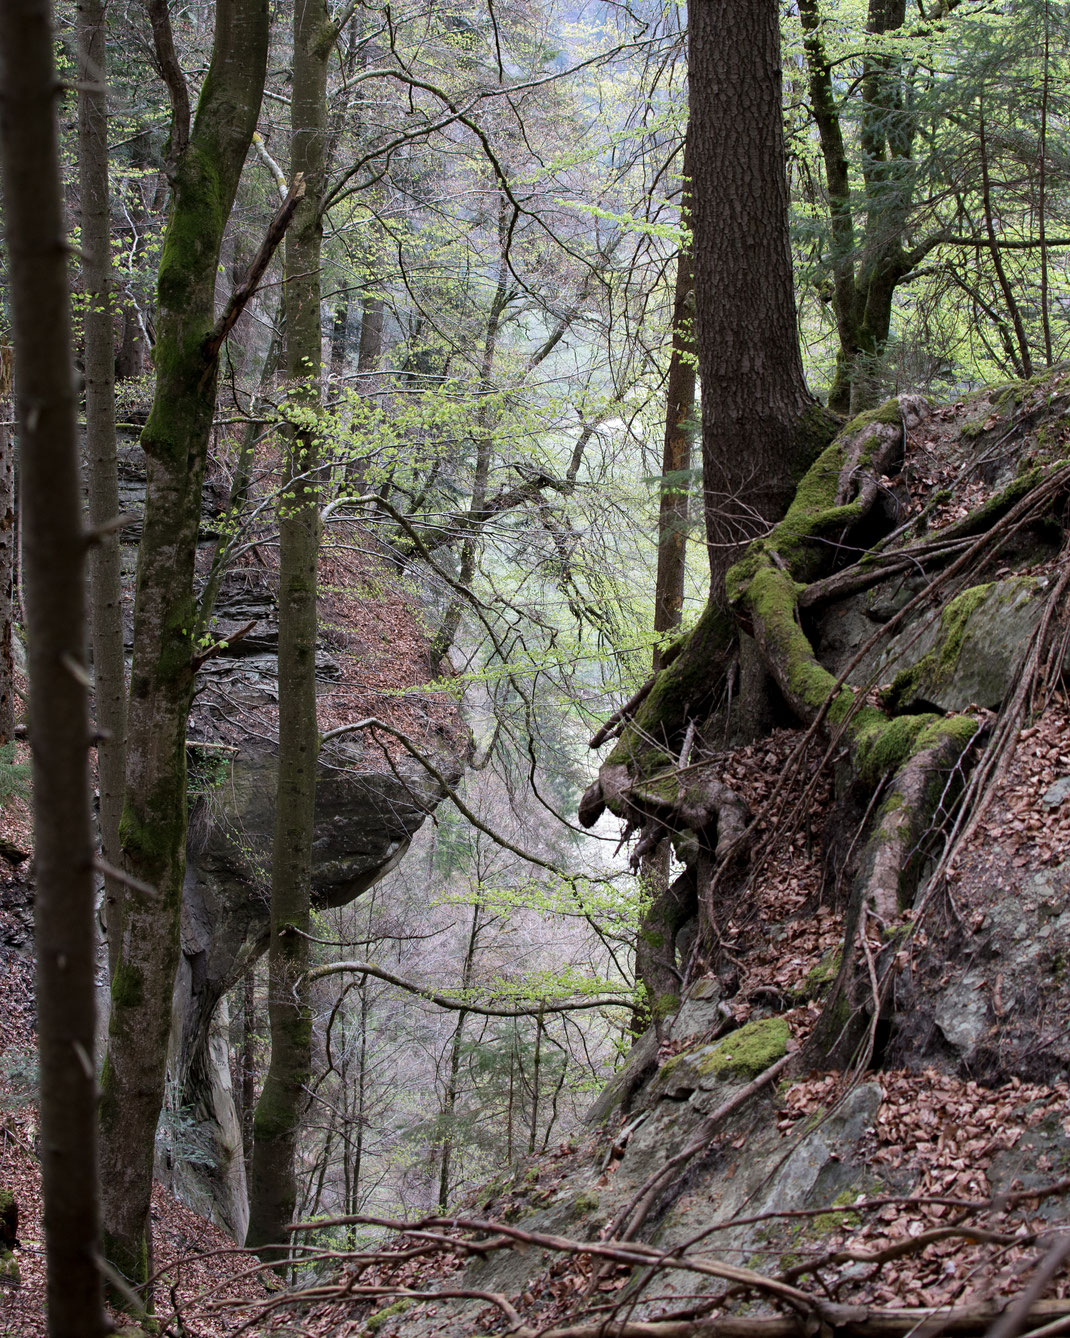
(668, 906)
(649, 742)
(925, 784)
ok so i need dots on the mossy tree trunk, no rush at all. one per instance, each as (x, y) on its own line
(175, 440)
(106, 595)
(8, 534)
(276, 1123)
(54, 546)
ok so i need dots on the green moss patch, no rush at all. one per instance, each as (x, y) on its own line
(749, 1051)
(938, 666)
(375, 1322)
(819, 978)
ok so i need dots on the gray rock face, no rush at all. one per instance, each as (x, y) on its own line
(368, 808)
(364, 823)
(999, 1002)
(749, 1169)
(970, 654)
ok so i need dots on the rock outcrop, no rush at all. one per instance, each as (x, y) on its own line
(859, 1076)
(371, 799)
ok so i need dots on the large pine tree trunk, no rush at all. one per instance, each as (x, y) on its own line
(54, 545)
(273, 1188)
(760, 432)
(175, 439)
(758, 419)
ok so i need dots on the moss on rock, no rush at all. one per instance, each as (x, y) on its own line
(375, 1322)
(820, 976)
(747, 1052)
(939, 664)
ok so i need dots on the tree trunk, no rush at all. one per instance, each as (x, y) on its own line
(449, 1104)
(759, 427)
(55, 609)
(106, 593)
(760, 432)
(371, 333)
(273, 1191)
(655, 947)
(679, 430)
(864, 278)
(8, 533)
(175, 439)
(451, 622)
(339, 335)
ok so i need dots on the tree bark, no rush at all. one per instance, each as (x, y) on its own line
(175, 440)
(371, 333)
(54, 544)
(451, 622)
(8, 533)
(106, 593)
(449, 1102)
(273, 1191)
(655, 946)
(679, 431)
(760, 430)
(865, 276)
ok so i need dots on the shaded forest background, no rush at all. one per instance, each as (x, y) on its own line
(398, 340)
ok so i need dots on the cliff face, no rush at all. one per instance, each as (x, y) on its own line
(854, 1117)
(372, 796)
(365, 820)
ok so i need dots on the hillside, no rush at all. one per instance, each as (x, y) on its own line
(727, 1182)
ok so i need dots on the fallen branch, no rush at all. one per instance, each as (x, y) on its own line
(622, 999)
(857, 1321)
(236, 304)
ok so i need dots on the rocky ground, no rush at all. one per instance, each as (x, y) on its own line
(721, 1185)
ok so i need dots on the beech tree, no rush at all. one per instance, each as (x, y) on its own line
(273, 1187)
(938, 175)
(106, 622)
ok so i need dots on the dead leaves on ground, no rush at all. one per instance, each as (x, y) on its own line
(934, 1137)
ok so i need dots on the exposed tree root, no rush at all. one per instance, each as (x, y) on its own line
(919, 761)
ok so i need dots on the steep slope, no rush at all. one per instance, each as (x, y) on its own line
(373, 795)
(853, 1117)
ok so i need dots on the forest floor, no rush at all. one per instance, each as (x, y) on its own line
(938, 1128)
